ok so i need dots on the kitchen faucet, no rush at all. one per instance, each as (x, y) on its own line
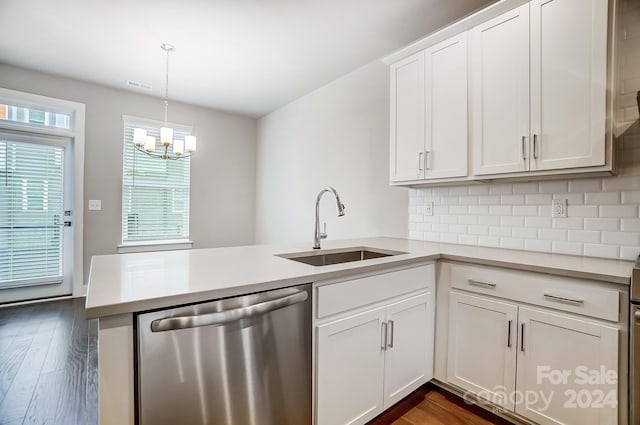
(323, 235)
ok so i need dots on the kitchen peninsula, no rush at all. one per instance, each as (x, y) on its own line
(121, 286)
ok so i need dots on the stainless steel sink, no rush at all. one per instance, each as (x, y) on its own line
(346, 255)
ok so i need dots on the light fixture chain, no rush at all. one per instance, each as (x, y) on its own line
(166, 90)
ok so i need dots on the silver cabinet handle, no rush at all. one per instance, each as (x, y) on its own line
(535, 146)
(637, 315)
(566, 300)
(509, 334)
(522, 337)
(524, 148)
(390, 343)
(222, 317)
(384, 336)
(426, 159)
(420, 162)
(482, 284)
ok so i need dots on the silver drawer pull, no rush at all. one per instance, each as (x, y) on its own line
(566, 300)
(482, 284)
(384, 336)
(637, 315)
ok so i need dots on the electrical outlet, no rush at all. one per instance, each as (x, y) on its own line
(95, 204)
(559, 208)
(428, 211)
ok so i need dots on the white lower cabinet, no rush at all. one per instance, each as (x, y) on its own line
(370, 360)
(482, 352)
(547, 366)
(556, 355)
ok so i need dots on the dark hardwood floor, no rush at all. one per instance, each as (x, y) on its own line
(48, 364)
(432, 406)
(49, 374)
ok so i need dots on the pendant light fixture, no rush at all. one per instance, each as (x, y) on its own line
(147, 144)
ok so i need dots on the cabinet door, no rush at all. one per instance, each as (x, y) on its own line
(568, 83)
(482, 347)
(500, 93)
(409, 352)
(350, 365)
(407, 119)
(555, 352)
(446, 109)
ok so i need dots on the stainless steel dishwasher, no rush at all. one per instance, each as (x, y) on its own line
(235, 361)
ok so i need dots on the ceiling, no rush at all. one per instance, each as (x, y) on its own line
(243, 56)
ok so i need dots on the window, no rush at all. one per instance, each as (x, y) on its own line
(34, 116)
(31, 213)
(155, 192)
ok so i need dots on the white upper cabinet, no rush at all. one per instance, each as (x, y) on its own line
(446, 109)
(568, 83)
(407, 119)
(539, 79)
(500, 93)
(429, 112)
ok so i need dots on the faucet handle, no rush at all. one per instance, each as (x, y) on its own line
(323, 234)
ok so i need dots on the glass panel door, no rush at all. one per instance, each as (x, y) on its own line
(32, 218)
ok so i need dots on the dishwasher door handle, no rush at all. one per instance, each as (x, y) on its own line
(222, 317)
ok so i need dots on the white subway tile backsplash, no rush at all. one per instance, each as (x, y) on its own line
(621, 238)
(537, 245)
(629, 252)
(538, 222)
(582, 211)
(619, 211)
(603, 216)
(582, 186)
(601, 223)
(539, 199)
(630, 224)
(491, 220)
(468, 219)
(528, 187)
(524, 232)
(492, 241)
(499, 231)
(528, 210)
(571, 248)
(632, 197)
(553, 187)
(511, 243)
(500, 210)
(589, 236)
(468, 239)
(489, 200)
(612, 198)
(605, 251)
(512, 221)
(568, 223)
(449, 237)
(500, 189)
(553, 234)
(512, 199)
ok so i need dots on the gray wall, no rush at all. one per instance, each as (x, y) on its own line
(337, 135)
(222, 170)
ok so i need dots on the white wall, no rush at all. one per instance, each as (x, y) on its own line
(603, 214)
(222, 170)
(337, 135)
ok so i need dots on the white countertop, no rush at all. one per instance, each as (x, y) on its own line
(126, 283)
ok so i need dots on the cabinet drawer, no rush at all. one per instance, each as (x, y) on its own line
(346, 295)
(585, 297)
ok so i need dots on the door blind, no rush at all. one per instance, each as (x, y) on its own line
(155, 192)
(31, 213)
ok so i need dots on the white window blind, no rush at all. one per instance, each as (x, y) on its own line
(155, 192)
(31, 213)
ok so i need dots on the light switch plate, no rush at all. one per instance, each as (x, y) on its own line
(428, 210)
(559, 208)
(95, 204)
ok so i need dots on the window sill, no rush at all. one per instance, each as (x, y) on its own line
(151, 246)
